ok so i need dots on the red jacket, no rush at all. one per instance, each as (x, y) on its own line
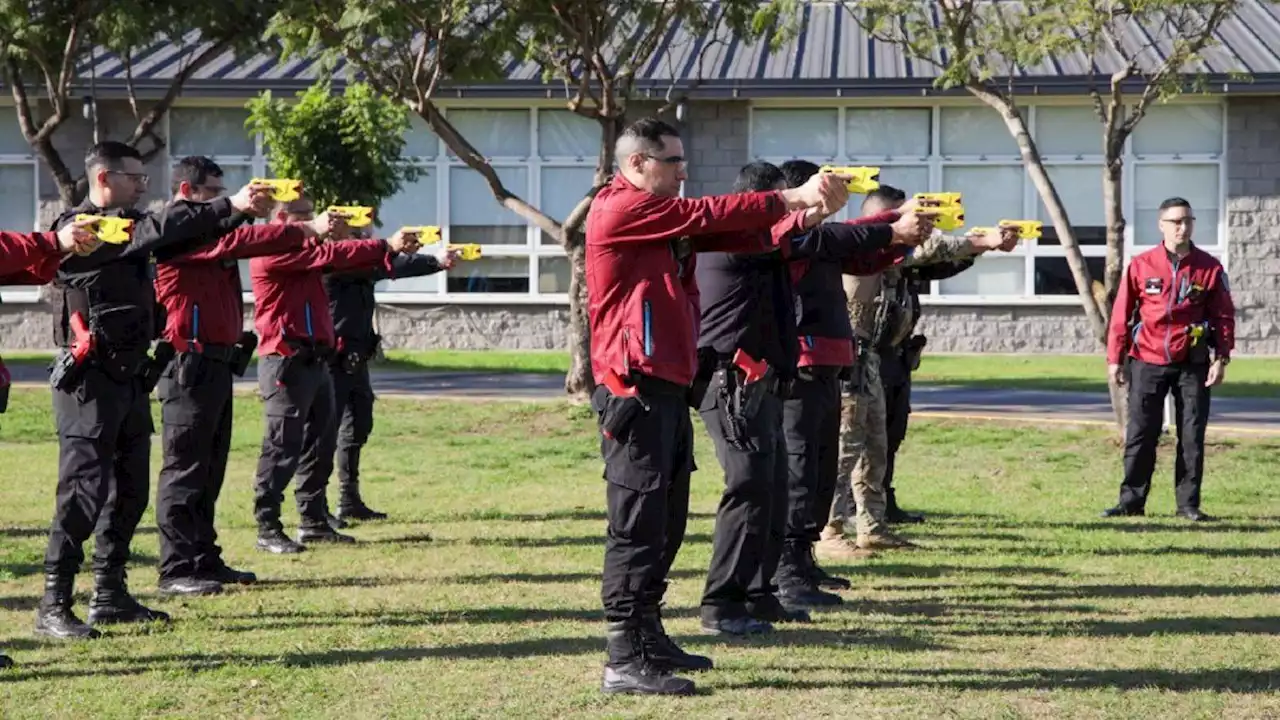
(288, 289)
(201, 290)
(28, 258)
(826, 336)
(1159, 301)
(642, 295)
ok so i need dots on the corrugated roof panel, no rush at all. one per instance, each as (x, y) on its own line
(830, 46)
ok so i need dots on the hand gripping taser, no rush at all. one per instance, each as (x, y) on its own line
(356, 215)
(1027, 229)
(282, 189)
(430, 235)
(114, 230)
(862, 180)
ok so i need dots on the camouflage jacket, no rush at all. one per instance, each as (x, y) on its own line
(865, 293)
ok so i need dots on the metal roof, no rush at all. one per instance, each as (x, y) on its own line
(829, 55)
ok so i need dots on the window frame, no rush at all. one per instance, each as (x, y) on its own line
(30, 294)
(1028, 250)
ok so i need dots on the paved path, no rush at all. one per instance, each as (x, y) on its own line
(1244, 415)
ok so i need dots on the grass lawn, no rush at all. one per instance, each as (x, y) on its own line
(1246, 377)
(1022, 603)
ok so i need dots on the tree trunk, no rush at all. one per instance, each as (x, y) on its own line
(1112, 194)
(579, 382)
(1095, 303)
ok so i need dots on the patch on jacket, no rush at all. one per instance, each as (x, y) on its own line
(1154, 286)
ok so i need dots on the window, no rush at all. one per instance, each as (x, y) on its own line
(18, 190)
(1175, 151)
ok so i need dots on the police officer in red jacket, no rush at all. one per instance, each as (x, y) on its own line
(291, 315)
(32, 259)
(105, 319)
(1174, 323)
(643, 309)
(747, 352)
(201, 293)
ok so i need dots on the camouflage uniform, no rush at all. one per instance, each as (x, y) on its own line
(864, 444)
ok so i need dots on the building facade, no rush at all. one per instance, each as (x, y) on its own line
(1221, 151)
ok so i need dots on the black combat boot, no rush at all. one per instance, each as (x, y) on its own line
(770, 609)
(895, 515)
(54, 617)
(351, 506)
(630, 670)
(663, 651)
(275, 541)
(796, 585)
(6, 662)
(821, 577)
(112, 602)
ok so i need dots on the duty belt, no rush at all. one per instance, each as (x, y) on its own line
(219, 353)
(649, 385)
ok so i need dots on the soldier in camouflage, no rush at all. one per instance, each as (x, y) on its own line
(880, 310)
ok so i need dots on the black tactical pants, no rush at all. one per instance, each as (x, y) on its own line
(751, 519)
(196, 413)
(897, 403)
(298, 395)
(647, 465)
(353, 401)
(1148, 385)
(811, 430)
(104, 468)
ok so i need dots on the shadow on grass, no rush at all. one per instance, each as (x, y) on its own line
(1030, 592)
(1241, 389)
(1216, 680)
(910, 570)
(550, 516)
(549, 578)
(562, 541)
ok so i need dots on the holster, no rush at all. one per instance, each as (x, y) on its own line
(615, 413)
(914, 350)
(1198, 344)
(65, 373)
(730, 400)
(153, 366)
(243, 353)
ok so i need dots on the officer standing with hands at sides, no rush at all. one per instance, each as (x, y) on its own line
(104, 318)
(1173, 308)
(747, 353)
(811, 413)
(352, 304)
(201, 294)
(291, 315)
(32, 259)
(643, 311)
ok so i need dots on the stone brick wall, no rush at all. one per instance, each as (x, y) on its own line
(1253, 218)
(715, 137)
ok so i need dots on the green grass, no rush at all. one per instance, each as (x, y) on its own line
(1246, 377)
(1022, 603)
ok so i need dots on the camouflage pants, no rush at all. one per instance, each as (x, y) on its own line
(864, 452)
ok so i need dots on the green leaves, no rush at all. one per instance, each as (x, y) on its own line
(345, 148)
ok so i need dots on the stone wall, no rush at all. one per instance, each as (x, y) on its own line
(1253, 217)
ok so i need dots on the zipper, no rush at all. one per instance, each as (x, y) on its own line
(195, 325)
(1168, 313)
(307, 307)
(648, 329)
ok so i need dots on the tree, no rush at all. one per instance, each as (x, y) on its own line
(50, 43)
(360, 132)
(596, 49)
(982, 46)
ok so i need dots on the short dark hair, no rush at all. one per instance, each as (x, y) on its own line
(758, 176)
(643, 135)
(887, 194)
(798, 172)
(195, 170)
(108, 154)
(1174, 202)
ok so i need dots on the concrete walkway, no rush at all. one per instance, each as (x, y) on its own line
(1235, 415)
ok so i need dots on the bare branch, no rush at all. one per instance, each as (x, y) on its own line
(147, 124)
